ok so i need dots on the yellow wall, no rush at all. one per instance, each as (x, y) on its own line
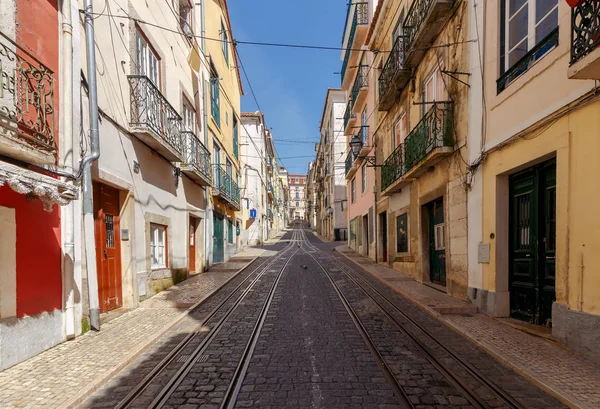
(574, 141)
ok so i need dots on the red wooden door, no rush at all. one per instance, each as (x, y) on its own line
(108, 247)
(192, 242)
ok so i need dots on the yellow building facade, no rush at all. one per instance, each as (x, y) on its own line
(420, 139)
(224, 89)
(535, 178)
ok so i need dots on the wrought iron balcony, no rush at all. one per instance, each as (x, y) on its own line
(358, 32)
(349, 118)
(225, 187)
(196, 159)
(363, 134)
(422, 24)
(394, 76)
(525, 62)
(585, 38)
(350, 168)
(26, 105)
(153, 119)
(428, 143)
(360, 89)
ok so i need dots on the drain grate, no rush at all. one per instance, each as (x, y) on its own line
(185, 358)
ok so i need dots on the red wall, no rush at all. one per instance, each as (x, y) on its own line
(39, 278)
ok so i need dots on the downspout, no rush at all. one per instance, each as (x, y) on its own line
(68, 161)
(88, 199)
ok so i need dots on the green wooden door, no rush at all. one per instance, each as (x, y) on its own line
(218, 244)
(437, 247)
(533, 243)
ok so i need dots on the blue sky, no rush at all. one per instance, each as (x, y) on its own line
(290, 84)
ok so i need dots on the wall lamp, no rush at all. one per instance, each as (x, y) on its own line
(356, 144)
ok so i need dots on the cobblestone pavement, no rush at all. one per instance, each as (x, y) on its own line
(575, 381)
(309, 353)
(63, 375)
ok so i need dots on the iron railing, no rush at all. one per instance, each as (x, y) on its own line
(414, 19)
(196, 155)
(360, 17)
(349, 161)
(393, 167)
(227, 187)
(585, 29)
(434, 130)
(525, 62)
(393, 65)
(149, 108)
(348, 114)
(361, 81)
(26, 96)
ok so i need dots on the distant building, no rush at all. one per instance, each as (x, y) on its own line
(297, 202)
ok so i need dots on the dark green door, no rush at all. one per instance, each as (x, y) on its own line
(218, 244)
(437, 246)
(533, 243)
(383, 227)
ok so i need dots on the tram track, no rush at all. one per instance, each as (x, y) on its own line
(431, 352)
(184, 359)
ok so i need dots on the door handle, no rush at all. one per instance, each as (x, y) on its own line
(105, 253)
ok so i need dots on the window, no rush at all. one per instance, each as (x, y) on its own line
(147, 59)
(433, 89)
(229, 231)
(185, 17)
(189, 116)
(158, 246)
(297, 204)
(297, 195)
(438, 230)
(364, 178)
(215, 102)
(353, 190)
(235, 137)
(402, 233)
(525, 24)
(297, 181)
(224, 43)
(217, 164)
(400, 130)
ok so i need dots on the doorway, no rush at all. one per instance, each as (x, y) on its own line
(192, 245)
(384, 237)
(532, 243)
(365, 228)
(218, 236)
(436, 241)
(108, 246)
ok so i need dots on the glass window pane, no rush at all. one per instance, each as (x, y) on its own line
(542, 7)
(517, 28)
(516, 54)
(515, 5)
(546, 26)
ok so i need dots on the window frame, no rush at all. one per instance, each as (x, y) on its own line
(398, 136)
(224, 42)
(235, 138)
(215, 96)
(353, 190)
(155, 230)
(364, 178)
(398, 249)
(143, 50)
(188, 108)
(189, 34)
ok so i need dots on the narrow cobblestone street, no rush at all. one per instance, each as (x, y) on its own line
(304, 328)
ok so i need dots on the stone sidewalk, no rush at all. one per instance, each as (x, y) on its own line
(62, 375)
(563, 374)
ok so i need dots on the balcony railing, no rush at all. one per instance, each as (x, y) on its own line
(432, 132)
(361, 82)
(196, 157)
(585, 29)
(360, 17)
(26, 96)
(525, 62)
(394, 75)
(226, 187)
(348, 115)
(393, 167)
(363, 134)
(151, 110)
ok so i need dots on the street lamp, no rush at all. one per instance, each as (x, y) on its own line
(356, 144)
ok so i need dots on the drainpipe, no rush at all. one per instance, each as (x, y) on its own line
(88, 199)
(580, 295)
(68, 211)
